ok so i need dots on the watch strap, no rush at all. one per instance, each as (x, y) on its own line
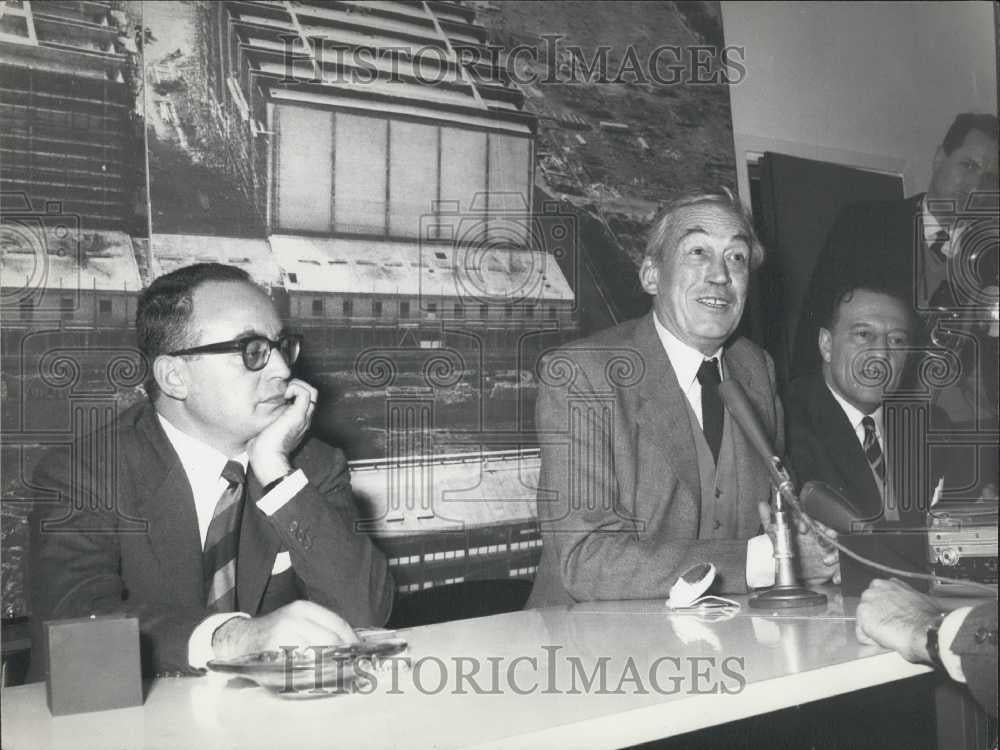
(933, 648)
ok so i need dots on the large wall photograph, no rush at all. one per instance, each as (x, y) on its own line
(434, 194)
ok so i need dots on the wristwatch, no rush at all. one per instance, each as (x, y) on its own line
(933, 649)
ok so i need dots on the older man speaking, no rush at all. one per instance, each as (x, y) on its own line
(643, 472)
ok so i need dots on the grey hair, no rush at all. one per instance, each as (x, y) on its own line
(724, 198)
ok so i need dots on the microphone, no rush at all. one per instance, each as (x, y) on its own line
(743, 412)
(786, 592)
(739, 406)
(817, 500)
(823, 503)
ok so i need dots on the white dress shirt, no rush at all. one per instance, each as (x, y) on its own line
(686, 361)
(203, 467)
(933, 225)
(946, 636)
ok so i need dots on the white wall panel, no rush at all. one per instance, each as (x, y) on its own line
(359, 171)
(413, 172)
(304, 179)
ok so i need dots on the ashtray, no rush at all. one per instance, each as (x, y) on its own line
(316, 671)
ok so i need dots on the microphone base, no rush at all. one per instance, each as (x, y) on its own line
(787, 597)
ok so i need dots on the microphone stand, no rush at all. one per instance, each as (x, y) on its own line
(786, 593)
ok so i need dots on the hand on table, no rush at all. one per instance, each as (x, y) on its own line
(301, 624)
(894, 615)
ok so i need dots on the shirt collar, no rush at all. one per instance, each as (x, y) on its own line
(196, 456)
(933, 225)
(855, 415)
(684, 359)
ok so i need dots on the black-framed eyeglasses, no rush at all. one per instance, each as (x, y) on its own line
(256, 350)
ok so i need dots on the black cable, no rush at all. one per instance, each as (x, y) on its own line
(984, 587)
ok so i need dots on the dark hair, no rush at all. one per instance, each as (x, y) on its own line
(723, 197)
(845, 292)
(964, 124)
(164, 310)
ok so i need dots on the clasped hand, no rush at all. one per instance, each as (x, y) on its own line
(270, 449)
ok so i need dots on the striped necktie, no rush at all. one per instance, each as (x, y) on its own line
(876, 459)
(222, 542)
(873, 451)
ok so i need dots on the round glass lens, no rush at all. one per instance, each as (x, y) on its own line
(290, 349)
(256, 354)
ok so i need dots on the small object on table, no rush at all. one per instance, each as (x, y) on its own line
(92, 664)
(692, 583)
(317, 671)
(686, 595)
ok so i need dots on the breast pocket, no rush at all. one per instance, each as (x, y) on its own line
(282, 562)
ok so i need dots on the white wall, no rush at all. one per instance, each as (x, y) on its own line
(865, 84)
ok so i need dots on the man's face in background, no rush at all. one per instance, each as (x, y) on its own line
(864, 351)
(969, 167)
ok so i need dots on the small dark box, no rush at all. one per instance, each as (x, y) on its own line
(92, 664)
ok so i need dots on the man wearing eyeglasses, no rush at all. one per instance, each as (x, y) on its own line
(215, 520)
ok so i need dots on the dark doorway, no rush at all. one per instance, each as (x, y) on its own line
(794, 203)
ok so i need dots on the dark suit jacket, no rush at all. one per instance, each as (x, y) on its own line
(822, 446)
(976, 644)
(876, 242)
(619, 497)
(123, 537)
(881, 244)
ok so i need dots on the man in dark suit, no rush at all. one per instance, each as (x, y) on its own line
(643, 473)
(837, 431)
(213, 518)
(903, 245)
(962, 642)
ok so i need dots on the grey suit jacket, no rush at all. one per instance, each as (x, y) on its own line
(122, 537)
(619, 498)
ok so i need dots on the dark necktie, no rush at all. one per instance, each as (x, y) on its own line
(222, 542)
(873, 451)
(711, 404)
(937, 246)
(876, 459)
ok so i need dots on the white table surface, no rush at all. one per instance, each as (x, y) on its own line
(768, 661)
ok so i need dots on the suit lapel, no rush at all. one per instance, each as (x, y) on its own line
(754, 484)
(844, 450)
(259, 544)
(164, 499)
(663, 413)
